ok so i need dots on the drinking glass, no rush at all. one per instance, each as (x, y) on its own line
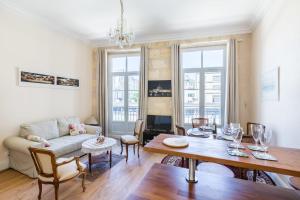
(265, 139)
(237, 138)
(256, 131)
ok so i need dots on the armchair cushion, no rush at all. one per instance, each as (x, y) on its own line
(65, 171)
(129, 139)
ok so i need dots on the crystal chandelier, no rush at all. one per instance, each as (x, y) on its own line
(120, 35)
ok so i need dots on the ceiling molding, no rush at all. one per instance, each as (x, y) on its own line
(262, 9)
(50, 25)
(183, 35)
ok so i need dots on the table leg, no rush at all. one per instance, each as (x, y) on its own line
(90, 162)
(110, 158)
(191, 177)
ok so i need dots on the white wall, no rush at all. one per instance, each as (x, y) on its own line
(276, 42)
(28, 44)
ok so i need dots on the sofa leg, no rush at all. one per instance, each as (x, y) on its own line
(40, 189)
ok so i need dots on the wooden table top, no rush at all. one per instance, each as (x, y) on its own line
(166, 182)
(213, 150)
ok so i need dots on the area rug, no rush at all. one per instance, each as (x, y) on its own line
(262, 177)
(101, 164)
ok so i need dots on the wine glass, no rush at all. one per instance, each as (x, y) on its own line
(256, 131)
(233, 127)
(237, 138)
(265, 139)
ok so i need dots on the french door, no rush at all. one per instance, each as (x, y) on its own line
(123, 77)
(204, 70)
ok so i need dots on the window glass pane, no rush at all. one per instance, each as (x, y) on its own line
(191, 97)
(213, 95)
(189, 113)
(118, 98)
(118, 113)
(213, 58)
(191, 59)
(118, 64)
(118, 83)
(191, 80)
(133, 82)
(133, 98)
(133, 63)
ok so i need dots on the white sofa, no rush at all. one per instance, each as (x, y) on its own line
(56, 132)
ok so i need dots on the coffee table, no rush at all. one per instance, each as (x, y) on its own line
(91, 147)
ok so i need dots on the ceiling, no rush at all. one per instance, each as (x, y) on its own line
(149, 19)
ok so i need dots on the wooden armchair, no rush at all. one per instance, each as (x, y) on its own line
(201, 121)
(55, 171)
(133, 139)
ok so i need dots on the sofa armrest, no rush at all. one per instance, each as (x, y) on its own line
(93, 129)
(20, 144)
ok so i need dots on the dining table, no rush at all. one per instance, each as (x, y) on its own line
(214, 150)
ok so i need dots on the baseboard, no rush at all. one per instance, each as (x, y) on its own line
(4, 164)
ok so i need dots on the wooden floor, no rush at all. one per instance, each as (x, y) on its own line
(115, 184)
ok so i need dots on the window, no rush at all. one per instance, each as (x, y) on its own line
(204, 82)
(123, 76)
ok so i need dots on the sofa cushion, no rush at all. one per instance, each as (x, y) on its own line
(67, 144)
(45, 129)
(63, 124)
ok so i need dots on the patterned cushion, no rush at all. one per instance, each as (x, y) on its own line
(76, 129)
(63, 124)
(129, 139)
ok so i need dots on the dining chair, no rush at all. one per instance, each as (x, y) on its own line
(250, 127)
(56, 171)
(133, 139)
(200, 121)
(180, 130)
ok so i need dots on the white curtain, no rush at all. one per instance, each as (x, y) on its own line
(176, 86)
(143, 84)
(102, 90)
(232, 90)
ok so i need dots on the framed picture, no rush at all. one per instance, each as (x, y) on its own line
(270, 85)
(27, 78)
(69, 82)
(159, 88)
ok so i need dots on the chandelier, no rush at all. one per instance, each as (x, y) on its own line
(120, 35)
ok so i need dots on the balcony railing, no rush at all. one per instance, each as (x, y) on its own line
(118, 113)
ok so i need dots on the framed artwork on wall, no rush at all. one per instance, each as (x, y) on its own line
(67, 82)
(161, 88)
(270, 84)
(28, 78)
